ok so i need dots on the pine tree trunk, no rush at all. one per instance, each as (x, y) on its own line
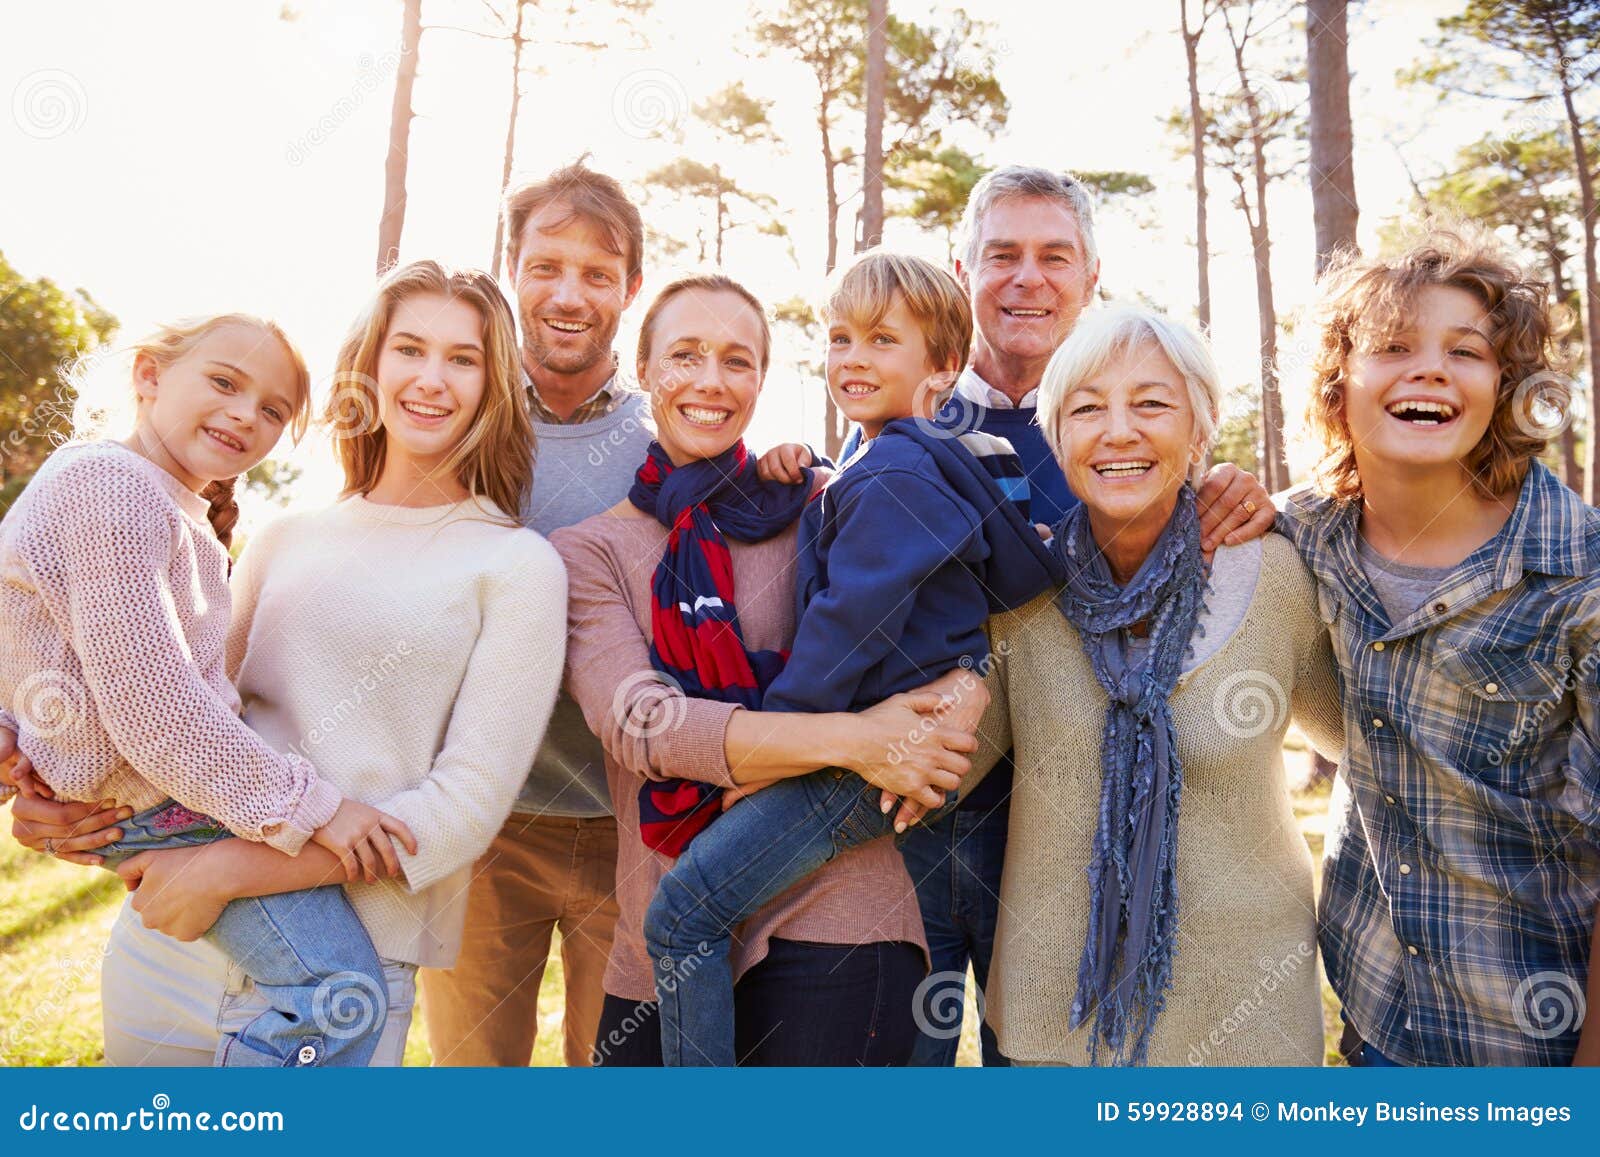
(393, 220)
(872, 159)
(1191, 49)
(1333, 182)
(1591, 289)
(517, 41)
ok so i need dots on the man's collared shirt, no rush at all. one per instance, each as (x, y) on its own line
(979, 392)
(597, 405)
(1461, 869)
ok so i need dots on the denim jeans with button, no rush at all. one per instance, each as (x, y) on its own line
(307, 952)
(757, 849)
(955, 861)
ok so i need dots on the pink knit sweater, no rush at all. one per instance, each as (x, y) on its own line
(115, 608)
(862, 897)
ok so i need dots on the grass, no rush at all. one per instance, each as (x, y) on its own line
(55, 917)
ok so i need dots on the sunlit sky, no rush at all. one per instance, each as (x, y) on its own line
(188, 157)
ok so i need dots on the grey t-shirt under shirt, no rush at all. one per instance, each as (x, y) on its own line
(1400, 588)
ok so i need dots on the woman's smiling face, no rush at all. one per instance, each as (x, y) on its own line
(703, 372)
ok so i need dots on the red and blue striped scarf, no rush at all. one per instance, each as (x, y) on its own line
(694, 620)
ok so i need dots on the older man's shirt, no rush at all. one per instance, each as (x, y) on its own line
(1461, 868)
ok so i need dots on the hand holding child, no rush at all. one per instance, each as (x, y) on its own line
(359, 835)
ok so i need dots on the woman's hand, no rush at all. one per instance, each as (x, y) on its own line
(963, 700)
(913, 745)
(359, 835)
(174, 892)
(68, 831)
(1233, 506)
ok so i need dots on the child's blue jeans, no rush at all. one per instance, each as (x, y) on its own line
(755, 850)
(307, 953)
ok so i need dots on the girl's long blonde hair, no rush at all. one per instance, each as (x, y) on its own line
(495, 458)
(165, 345)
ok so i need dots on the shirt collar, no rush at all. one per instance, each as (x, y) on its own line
(610, 388)
(972, 388)
(1545, 533)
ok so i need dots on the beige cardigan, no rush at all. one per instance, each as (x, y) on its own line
(1245, 987)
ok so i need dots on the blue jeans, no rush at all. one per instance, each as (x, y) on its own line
(307, 952)
(757, 849)
(805, 1004)
(955, 860)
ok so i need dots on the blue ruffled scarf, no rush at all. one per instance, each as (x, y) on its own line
(1126, 967)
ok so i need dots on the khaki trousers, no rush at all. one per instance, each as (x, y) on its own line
(541, 873)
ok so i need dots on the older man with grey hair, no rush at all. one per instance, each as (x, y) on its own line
(1029, 261)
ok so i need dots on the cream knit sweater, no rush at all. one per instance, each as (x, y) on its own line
(1245, 988)
(413, 655)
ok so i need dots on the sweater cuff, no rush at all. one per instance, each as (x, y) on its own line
(315, 808)
(694, 749)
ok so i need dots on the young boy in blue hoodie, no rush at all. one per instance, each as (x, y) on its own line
(903, 556)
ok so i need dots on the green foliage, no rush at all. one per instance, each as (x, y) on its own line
(1515, 50)
(43, 329)
(938, 185)
(1239, 432)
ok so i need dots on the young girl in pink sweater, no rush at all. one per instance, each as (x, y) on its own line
(112, 665)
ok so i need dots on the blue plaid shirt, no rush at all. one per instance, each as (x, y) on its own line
(1462, 866)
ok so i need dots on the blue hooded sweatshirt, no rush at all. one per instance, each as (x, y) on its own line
(903, 557)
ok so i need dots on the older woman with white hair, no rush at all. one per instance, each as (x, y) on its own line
(1153, 682)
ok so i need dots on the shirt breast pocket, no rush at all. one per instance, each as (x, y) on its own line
(1495, 708)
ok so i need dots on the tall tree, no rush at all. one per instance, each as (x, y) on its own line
(392, 222)
(1533, 52)
(1250, 125)
(1197, 148)
(43, 330)
(516, 29)
(1333, 174)
(734, 118)
(938, 186)
(872, 155)
(936, 74)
